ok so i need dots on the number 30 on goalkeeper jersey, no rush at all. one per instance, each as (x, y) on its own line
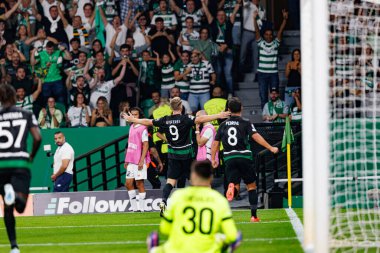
(194, 218)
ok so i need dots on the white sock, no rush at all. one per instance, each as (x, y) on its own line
(132, 200)
(142, 201)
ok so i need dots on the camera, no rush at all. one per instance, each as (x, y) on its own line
(47, 149)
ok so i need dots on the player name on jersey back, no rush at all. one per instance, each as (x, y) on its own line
(14, 127)
(11, 115)
(235, 134)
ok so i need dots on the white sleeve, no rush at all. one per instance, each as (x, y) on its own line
(153, 20)
(67, 153)
(109, 27)
(70, 113)
(69, 31)
(144, 136)
(174, 20)
(89, 110)
(207, 134)
(111, 84)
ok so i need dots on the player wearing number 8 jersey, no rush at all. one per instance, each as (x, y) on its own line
(198, 218)
(177, 129)
(15, 124)
(235, 134)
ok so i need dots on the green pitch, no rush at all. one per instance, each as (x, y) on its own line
(127, 233)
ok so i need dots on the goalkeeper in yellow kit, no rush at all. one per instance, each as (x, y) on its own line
(198, 218)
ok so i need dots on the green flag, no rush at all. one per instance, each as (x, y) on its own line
(99, 26)
(288, 137)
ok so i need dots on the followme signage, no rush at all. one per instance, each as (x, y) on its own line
(91, 202)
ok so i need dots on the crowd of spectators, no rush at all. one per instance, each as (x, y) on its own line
(79, 63)
(354, 58)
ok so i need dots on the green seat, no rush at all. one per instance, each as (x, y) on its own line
(146, 105)
(62, 108)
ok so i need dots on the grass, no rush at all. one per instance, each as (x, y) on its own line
(127, 233)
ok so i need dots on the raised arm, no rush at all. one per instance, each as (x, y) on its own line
(122, 73)
(103, 16)
(257, 29)
(38, 91)
(221, 4)
(69, 84)
(62, 15)
(33, 60)
(174, 7)
(86, 69)
(207, 118)
(158, 62)
(172, 56)
(11, 11)
(129, 118)
(128, 17)
(235, 11)
(210, 18)
(285, 15)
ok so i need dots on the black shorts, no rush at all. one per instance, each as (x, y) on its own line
(18, 178)
(240, 168)
(179, 168)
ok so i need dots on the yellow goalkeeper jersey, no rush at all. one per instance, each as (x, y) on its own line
(195, 219)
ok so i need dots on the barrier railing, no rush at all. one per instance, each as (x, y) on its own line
(100, 167)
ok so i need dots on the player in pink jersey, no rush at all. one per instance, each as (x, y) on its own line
(205, 139)
(136, 159)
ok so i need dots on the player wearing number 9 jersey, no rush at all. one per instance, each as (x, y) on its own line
(235, 134)
(15, 124)
(198, 218)
(177, 129)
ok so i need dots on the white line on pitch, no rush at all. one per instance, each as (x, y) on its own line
(126, 242)
(132, 225)
(296, 223)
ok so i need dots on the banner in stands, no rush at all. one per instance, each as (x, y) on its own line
(91, 202)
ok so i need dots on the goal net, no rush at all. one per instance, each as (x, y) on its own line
(354, 180)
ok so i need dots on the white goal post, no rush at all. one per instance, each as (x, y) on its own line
(315, 124)
(340, 42)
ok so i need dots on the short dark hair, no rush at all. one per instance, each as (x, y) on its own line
(159, 19)
(7, 94)
(156, 91)
(234, 105)
(189, 17)
(76, 96)
(75, 40)
(88, 4)
(141, 113)
(50, 44)
(58, 132)
(125, 46)
(202, 168)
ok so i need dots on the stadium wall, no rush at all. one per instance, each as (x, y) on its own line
(82, 140)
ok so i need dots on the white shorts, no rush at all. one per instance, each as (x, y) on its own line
(134, 172)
